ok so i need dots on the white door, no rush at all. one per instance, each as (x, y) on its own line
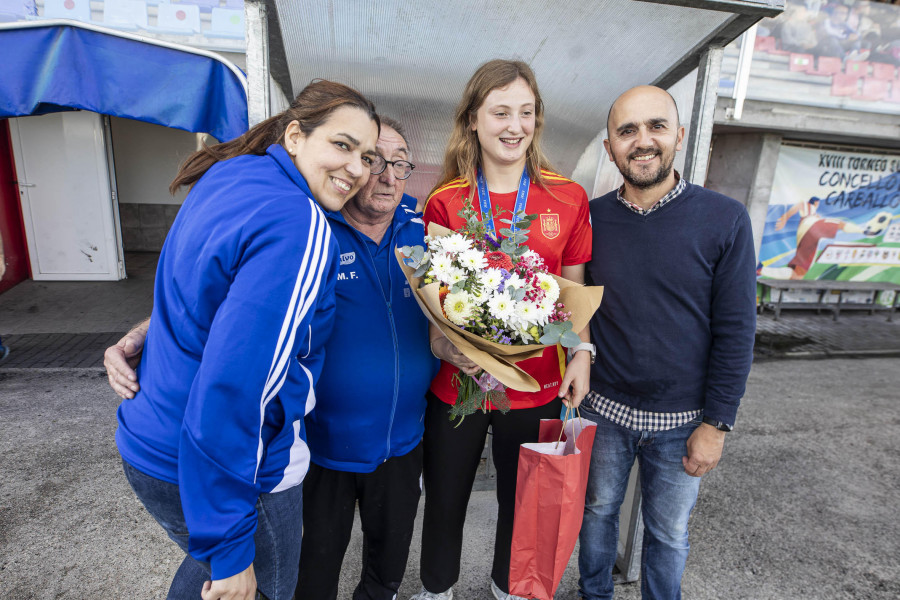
(67, 194)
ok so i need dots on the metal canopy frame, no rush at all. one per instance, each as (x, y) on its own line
(704, 55)
(413, 60)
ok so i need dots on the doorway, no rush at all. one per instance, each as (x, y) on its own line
(67, 190)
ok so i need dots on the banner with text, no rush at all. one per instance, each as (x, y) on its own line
(833, 215)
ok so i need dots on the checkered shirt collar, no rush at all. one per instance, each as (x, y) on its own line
(635, 419)
(673, 193)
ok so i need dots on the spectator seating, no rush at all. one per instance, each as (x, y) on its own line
(780, 76)
(16, 10)
(183, 21)
(79, 10)
(894, 94)
(883, 71)
(179, 18)
(844, 85)
(801, 62)
(764, 43)
(873, 89)
(204, 5)
(227, 22)
(828, 65)
(125, 14)
(856, 68)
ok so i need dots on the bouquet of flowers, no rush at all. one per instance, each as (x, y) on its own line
(496, 303)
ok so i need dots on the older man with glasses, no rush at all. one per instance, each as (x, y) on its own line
(364, 434)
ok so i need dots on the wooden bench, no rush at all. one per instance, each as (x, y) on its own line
(828, 287)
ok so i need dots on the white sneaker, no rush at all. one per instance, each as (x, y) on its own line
(501, 595)
(426, 595)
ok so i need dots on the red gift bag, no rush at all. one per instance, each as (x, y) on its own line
(550, 488)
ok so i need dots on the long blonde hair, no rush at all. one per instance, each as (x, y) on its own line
(463, 154)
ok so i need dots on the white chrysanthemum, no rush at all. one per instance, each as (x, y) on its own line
(515, 281)
(501, 307)
(549, 285)
(455, 275)
(527, 313)
(458, 307)
(472, 259)
(490, 279)
(455, 243)
(441, 267)
(544, 310)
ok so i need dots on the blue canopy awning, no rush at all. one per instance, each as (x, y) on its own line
(50, 67)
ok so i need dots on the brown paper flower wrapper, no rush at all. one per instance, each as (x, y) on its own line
(499, 359)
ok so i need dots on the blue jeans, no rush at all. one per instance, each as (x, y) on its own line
(668, 495)
(277, 536)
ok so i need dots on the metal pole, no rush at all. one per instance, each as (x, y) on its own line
(258, 103)
(631, 532)
(702, 116)
(742, 78)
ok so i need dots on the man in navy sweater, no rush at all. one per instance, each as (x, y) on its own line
(675, 338)
(365, 433)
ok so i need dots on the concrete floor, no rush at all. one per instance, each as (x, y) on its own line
(803, 505)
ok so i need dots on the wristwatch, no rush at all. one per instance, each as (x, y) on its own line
(584, 346)
(717, 424)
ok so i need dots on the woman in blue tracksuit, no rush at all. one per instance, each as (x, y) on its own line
(214, 443)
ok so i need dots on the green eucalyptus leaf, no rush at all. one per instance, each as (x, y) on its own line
(549, 337)
(569, 339)
(553, 327)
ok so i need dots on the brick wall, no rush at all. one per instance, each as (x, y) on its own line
(144, 226)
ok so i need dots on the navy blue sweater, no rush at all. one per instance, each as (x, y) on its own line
(676, 327)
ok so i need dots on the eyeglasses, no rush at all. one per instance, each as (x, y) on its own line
(402, 168)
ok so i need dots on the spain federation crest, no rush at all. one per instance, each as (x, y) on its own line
(550, 225)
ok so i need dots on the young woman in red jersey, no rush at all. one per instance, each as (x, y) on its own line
(494, 162)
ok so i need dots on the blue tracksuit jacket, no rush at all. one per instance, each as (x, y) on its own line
(371, 398)
(243, 302)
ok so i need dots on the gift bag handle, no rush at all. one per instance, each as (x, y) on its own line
(566, 417)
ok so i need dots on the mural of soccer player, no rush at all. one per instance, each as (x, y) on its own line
(813, 227)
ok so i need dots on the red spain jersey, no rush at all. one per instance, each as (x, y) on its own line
(561, 235)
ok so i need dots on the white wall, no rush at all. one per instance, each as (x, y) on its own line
(147, 158)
